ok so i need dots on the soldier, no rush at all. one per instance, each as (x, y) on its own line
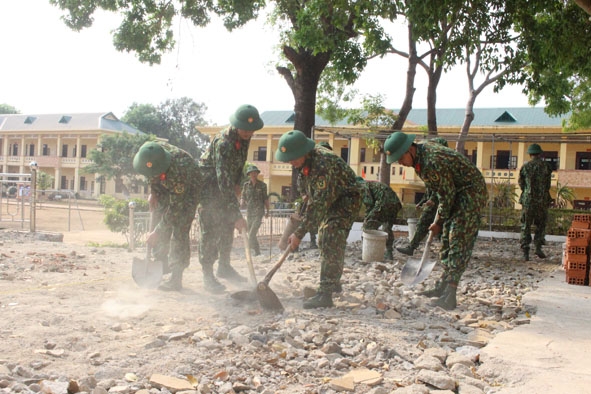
(462, 194)
(221, 167)
(333, 202)
(381, 209)
(314, 231)
(254, 195)
(428, 204)
(534, 180)
(175, 184)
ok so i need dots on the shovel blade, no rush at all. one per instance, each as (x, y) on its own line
(410, 271)
(424, 272)
(268, 299)
(146, 273)
(244, 295)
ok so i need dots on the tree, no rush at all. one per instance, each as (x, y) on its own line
(174, 120)
(44, 180)
(564, 195)
(113, 159)
(558, 51)
(8, 109)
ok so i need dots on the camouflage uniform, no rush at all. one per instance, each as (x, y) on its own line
(255, 197)
(534, 180)
(334, 199)
(221, 167)
(381, 209)
(462, 194)
(426, 219)
(177, 191)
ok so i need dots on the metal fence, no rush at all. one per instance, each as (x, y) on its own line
(272, 226)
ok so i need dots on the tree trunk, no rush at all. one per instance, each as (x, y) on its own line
(406, 107)
(434, 77)
(468, 118)
(303, 86)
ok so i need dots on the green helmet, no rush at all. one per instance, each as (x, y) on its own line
(246, 118)
(292, 145)
(151, 159)
(396, 145)
(251, 169)
(440, 141)
(534, 149)
(325, 144)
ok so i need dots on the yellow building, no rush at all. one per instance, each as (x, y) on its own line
(496, 144)
(60, 144)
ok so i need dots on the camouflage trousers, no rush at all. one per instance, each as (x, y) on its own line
(425, 220)
(333, 232)
(253, 223)
(216, 236)
(385, 218)
(538, 216)
(174, 241)
(458, 237)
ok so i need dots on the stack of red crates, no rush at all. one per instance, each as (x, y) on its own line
(576, 259)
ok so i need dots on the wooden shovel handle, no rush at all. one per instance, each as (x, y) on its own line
(251, 273)
(276, 266)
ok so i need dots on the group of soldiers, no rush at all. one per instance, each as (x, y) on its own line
(332, 195)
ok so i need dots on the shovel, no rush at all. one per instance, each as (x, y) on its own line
(146, 272)
(267, 298)
(247, 295)
(415, 271)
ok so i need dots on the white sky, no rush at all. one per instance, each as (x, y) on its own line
(47, 68)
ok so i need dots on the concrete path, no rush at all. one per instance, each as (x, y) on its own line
(551, 355)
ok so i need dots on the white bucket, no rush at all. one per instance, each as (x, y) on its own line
(412, 227)
(374, 245)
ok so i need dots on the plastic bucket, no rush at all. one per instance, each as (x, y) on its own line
(412, 227)
(374, 245)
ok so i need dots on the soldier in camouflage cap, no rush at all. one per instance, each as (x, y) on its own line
(428, 204)
(534, 180)
(462, 195)
(221, 166)
(175, 184)
(254, 195)
(381, 209)
(334, 199)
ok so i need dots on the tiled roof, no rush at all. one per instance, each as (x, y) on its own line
(64, 122)
(511, 117)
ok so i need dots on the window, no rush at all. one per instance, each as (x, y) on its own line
(45, 150)
(64, 182)
(32, 150)
(82, 183)
(473, 156)
(83, 151)
(65, 150)
(503, 160)
(74, 150)
(14, 150)
(260, 154)
(362, 155)
(552, 159)
(583, 161)
(345, 154)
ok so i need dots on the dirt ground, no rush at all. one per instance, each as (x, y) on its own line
(71, 312)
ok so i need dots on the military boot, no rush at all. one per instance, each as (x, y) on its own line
(388, 255)
(226, 271)
(436, 291)
(175, 283)
(407, 250)
(539, 252)
(211, 284)
(526, 254)
(313, 244)
(320, 300)
(447, 300)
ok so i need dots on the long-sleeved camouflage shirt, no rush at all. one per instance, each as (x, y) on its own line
(255, 197)
(449, 173)
(535, 178)
(330, 185)
(177, 188)
(377, 198)
(221, 166)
